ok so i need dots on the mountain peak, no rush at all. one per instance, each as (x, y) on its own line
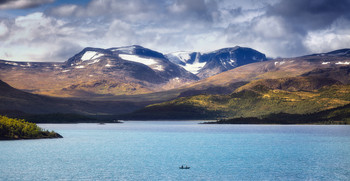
(87, 54)
(206, 64)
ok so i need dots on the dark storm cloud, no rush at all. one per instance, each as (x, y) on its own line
(141, 10)
(296, 27)
(197, 9)
(304, 15)
(22, 4)
(5, 1)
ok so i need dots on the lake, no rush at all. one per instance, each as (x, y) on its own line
(154, 150)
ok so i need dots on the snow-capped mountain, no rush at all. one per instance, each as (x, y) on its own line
(136, 59)
(210, 63)
(96, 71)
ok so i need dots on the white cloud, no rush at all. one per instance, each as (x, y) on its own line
(3, 29)
(36, 37)
(337, 36)
(270, 27)
(316, 41)
(119, 33)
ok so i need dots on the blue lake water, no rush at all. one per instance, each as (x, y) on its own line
(155, 150)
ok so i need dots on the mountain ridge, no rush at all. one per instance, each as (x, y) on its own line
(96, 72)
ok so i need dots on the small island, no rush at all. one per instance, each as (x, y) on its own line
(14, 129)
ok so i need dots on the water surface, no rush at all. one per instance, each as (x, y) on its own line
(154, 150)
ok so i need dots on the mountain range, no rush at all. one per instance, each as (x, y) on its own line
(131, 70)
(230, 82)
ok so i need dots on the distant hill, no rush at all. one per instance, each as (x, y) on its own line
(305, 83)
(18, 102)
(341, 73)
(339, 115)
(257, 99)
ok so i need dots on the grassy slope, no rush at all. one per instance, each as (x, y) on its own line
(257, 101)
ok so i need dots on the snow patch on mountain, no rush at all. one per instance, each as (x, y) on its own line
(11, 63)
(158, 67)
(343, 63)
(180, 56)
(232, 62)
(152, 63)
(183, 58)
(194, 67)
(136, 58)
(89, 55)
(280, 63)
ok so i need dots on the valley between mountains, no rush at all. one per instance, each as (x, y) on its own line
(238, 85)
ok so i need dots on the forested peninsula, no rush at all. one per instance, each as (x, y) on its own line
(12, 129)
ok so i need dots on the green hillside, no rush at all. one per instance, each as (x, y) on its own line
(255, 101)
(339, 115)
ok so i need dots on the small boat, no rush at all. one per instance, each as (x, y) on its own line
(184, 167)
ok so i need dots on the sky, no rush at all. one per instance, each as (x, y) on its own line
(55, 30)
